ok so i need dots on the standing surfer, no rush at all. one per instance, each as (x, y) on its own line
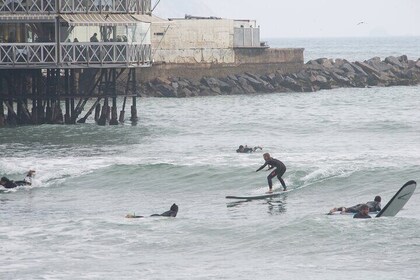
(279, 171)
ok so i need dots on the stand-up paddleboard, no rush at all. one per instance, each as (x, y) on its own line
(262, 196)
(398, 201)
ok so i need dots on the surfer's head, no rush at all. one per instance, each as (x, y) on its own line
(174, 209)
(266, 156)
(364, 209)
(378, 198)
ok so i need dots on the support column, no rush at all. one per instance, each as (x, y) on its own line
(33, 95)
(2, 123)
(134, 117)
(104, 88)
(97, 112)
(67, 93)
(114, 114)
(74, 92)
(48, 111)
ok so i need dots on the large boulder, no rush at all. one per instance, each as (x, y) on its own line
(247, 88)
(367, 68)
(379, 65)
(394, 61)
(325, 62)
(359, 70)
(166, 90)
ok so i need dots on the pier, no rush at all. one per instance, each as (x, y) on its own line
(57, 55)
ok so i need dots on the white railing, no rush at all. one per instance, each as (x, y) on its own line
(75, 6)
(75, 54)
(105, 53)
(28, 53)
(27, 6)
(105, 6)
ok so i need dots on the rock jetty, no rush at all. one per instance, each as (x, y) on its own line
(316, 75)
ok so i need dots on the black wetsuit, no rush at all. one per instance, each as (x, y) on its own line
(245, 150)
(374, 206)
(8, 184)
(22, 183)
(172, 212)
(361, 216)
(279, 171)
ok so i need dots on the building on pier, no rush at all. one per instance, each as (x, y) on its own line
(195, 47)
(55, 51)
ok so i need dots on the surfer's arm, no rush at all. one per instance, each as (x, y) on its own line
(262, 166)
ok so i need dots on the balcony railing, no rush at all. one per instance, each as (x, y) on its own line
(74, 55)
(74, 6)
(28, 53)
(27, 6)
(105, 53)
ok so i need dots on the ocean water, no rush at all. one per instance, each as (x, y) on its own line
(341, 147)
(352, 49)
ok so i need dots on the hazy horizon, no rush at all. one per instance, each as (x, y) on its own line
(309, 18)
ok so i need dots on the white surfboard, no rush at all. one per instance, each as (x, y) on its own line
(262, 196)
(398, 201)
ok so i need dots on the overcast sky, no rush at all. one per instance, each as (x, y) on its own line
(309, 18)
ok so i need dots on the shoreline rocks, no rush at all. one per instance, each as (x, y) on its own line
(318, 74)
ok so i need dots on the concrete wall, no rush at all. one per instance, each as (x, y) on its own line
(258, 56)
(263, 61)
(203, 33)
(195, 55)
(192, 41)
(246, 37)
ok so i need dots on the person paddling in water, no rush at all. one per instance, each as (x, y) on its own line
(363, 212)
(246, 150)
(10, 184)
(279, 171)
(374, 206)
(172, 212)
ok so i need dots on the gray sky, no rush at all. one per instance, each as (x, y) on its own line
(309, 18)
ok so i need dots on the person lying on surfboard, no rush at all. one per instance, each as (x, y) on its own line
(245, 150)
(363, 213)
(172, 212)
(9, 184)
(279, 171)
(374, 206)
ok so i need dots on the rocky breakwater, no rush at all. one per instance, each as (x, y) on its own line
(316, 75)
